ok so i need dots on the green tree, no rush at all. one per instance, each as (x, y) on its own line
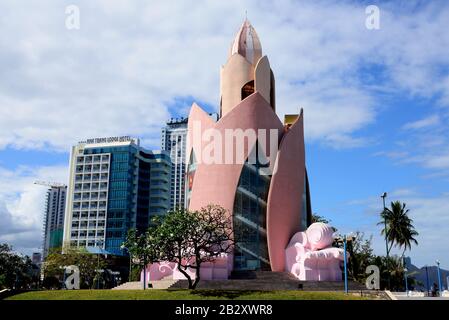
(360, 256)
(142, 248)
(399, 229)
(15, 269)
(317, 218)
(87, 263)
(393, 269)
(190, 238)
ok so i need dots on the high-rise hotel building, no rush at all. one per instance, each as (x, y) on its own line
(173, 140)
(53, 218)
(114, 185)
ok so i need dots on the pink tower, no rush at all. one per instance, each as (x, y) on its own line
(249, 161)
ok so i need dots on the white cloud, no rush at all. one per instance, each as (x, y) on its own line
(424, 142)
(22, 204)
(117, 74)
(423, 123)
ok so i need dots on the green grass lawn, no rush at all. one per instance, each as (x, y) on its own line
(181, 295)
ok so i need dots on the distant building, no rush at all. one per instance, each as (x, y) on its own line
(114, 185)
(36, 258)
(173, 140)
(53, 225)
(408, 262)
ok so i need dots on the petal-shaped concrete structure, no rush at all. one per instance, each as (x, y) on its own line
(216, 183)
(285, 199)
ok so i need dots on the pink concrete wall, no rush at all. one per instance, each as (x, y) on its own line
(217, 183)
(284, 204)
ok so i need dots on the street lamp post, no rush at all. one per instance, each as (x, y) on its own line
(98, 243)
(345, 264)
(439, 277)
(144, 274)
(406, 284)
(383, 196)
(63, 278)
(427, 280)
(130, 261)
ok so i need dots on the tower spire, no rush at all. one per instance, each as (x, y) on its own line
(246, 70)
(247, 43)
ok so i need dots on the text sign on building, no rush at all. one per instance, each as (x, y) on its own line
(111, 140)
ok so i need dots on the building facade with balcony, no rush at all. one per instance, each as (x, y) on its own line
(53, 225)
(174, 140)
(114, 185)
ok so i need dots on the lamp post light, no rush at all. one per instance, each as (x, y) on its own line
(406, 284)
(63, 277)
(130, 261)
(345, 240)
(439, 277)
(98, 244)
(345, 264)
(384, 196)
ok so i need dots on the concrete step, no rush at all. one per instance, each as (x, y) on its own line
(163, 284)
(133, 285)
(267, 280)
(258, 280)
(137, 285)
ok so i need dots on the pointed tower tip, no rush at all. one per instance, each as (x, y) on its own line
(247, 43)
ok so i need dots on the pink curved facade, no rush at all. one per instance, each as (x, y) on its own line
(285, 197)
(217, 183)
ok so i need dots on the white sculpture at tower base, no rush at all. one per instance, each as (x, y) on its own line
(310, 255)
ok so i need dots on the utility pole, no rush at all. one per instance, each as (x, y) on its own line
(383, 196)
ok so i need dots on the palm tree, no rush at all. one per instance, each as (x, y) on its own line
(399, 227)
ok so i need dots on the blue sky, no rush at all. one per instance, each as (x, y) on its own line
(376, 102)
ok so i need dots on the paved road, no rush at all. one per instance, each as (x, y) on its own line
(404, 297)
(422, 298)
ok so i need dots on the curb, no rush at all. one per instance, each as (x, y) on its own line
(390, 295)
